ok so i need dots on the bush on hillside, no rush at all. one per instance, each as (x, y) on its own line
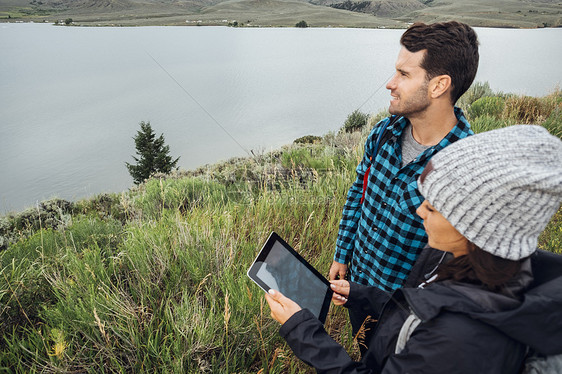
(491, 106)
(319, 158)
(53, 213)
(487, 122)
(301, 24)
(527, 109)
(180, 195)
(103, 206)
(355, 121)
(308, 139)
(554, 122)
(475, 92)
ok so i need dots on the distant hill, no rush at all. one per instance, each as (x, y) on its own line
(317, 13)
(380, 8)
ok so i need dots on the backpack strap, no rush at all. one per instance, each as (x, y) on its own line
(376, 150)
(410, 324)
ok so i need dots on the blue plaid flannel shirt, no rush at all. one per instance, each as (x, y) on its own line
(381, 238)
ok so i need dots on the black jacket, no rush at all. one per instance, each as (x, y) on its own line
(464, 328)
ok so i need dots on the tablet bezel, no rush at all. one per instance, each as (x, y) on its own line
(262, 255)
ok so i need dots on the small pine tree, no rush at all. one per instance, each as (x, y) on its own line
(153, 155)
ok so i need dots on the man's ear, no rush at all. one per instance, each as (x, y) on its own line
(439, 85)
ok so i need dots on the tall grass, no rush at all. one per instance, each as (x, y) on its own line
(154, 280)
(166, 292)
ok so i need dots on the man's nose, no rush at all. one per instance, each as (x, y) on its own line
(391, 83)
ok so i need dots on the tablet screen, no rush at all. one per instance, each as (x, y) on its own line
(280, 267)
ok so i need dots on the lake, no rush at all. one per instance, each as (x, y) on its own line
(71, 98)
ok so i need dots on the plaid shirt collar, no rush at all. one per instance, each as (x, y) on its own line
(461, 130)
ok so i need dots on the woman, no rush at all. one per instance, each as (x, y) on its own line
(488, 197)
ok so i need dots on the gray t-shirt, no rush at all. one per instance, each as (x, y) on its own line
(410, 147)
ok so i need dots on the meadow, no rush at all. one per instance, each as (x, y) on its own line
(154, 279)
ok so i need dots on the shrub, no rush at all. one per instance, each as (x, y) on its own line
(308, 139)
(298, 157)
(355, 121)
(554, 122)
(475, 92)
(527, 109)
(52, 213)
(103, 206)
(491, 106)
(302, 24)
(178, 195)
(300, 160)
(486, 123)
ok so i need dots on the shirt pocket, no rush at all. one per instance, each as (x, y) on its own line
(410, 198)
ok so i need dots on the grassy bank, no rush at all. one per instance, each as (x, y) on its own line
(153, 280)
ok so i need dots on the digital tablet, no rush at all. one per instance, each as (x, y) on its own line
(280, 267)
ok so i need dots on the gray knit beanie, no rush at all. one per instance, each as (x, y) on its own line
(499, 188)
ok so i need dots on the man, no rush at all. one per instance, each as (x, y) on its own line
(380, 236)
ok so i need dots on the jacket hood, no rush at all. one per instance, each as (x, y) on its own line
(530, 311)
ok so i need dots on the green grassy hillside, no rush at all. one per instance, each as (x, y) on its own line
(317, 13)
(153, 279)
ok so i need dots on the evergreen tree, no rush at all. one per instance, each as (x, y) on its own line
(152, 154)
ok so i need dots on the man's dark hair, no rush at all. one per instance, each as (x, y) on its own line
(451, 49)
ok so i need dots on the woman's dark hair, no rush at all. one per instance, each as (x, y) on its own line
(480, 267)
(451, 49)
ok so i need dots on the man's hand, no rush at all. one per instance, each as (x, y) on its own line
(282, 308)
(341, 291)
(337, 271)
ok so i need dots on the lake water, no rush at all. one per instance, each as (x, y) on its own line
(71, 98)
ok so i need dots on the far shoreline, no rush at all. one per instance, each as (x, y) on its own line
(92, 24)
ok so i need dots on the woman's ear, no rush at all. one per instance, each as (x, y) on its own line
(439, 85)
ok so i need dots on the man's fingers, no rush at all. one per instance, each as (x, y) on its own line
(337, 270)
(333, 272)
